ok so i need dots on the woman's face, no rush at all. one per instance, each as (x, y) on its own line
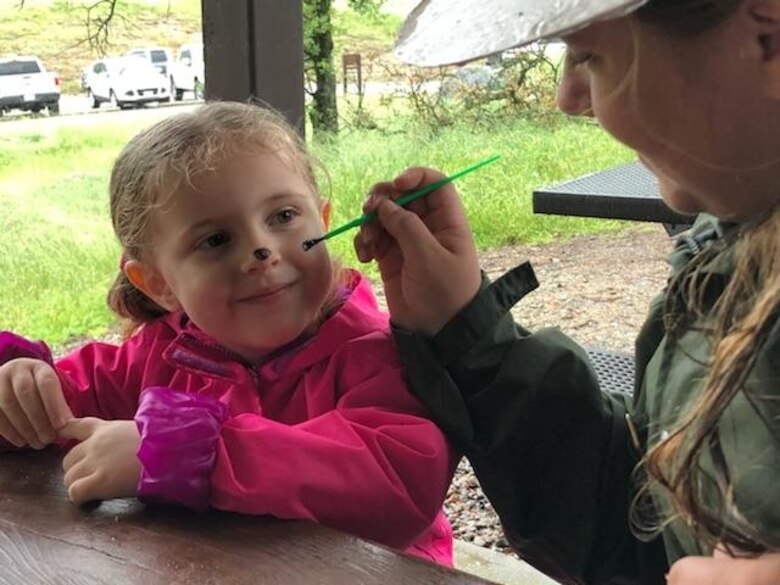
(696, 110)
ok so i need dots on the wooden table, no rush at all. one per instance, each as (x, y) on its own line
(45, 539)
(628, 191)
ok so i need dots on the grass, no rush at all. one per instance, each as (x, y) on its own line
(59, 253)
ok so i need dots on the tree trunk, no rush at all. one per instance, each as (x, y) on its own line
(324, 113)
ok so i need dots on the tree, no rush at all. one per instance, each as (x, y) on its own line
(318, 54)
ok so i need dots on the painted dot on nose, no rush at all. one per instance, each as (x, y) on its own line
(262, 253)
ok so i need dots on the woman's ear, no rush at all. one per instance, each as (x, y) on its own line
(326, 209)
(765, 15)
(149, 281)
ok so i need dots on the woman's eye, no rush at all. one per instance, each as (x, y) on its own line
(285, 215)
(216, 240)
(579, 58)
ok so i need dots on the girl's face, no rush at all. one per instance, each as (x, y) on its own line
(204, 262)
(697, 111)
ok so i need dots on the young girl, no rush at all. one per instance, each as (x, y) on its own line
(258, 377)
(691, 462)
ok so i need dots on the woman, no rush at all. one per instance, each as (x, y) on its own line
(680, 478)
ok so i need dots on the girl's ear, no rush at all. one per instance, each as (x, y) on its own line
(149, 281)
(765, 15)
(326, 209)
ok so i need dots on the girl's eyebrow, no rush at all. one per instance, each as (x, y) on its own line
(280, 196)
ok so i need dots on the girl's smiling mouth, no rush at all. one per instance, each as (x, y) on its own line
(266, 294)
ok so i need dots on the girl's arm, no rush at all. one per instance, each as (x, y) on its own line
(104, 380)
(373, 466)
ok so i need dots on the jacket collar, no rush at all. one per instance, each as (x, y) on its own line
(358, 315)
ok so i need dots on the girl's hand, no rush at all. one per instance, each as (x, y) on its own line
(426, 252)
(32, 405)
(722, 569)
(104, 464)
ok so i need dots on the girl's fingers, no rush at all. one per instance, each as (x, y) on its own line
(82, 489)
(29, 399)
(50, 390)
(17, 417)
(73, 457)
(9, 433)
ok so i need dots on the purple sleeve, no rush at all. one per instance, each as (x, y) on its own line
(13, 346)
(179, 433)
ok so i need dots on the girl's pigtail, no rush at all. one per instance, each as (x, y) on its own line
(132, 305)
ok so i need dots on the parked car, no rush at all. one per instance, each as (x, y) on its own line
(126, 82)
(26, 85)
(187, 72)
(160, 57)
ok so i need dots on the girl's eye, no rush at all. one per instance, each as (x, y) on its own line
(216, 240)
(285, 215)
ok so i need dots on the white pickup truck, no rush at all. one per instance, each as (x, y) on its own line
(26, 85)
(187, 72)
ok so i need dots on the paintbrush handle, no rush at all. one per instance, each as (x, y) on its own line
(409, 197)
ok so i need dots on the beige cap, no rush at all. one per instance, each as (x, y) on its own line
(442, 32)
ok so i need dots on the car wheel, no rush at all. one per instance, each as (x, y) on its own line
(176, 93)
(54, 109)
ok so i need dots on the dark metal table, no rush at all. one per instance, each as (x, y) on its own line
(628, 191)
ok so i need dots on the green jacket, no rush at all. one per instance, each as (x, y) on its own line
(554, 453)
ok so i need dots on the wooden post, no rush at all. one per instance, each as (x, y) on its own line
(254, 49)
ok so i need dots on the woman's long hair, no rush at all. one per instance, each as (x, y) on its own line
(737, 324)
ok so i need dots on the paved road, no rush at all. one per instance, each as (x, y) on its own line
(76, 110)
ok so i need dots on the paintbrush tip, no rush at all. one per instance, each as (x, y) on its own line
(309, 244)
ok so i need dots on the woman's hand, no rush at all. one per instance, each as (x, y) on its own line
(723, 569)
(426, 252)
(104, 464)
(32, 405)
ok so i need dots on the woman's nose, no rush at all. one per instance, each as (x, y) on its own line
(574, 91)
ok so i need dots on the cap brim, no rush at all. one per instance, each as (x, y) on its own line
(443, 32)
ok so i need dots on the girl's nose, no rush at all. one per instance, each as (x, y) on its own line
(574, 91)
(260, 258)
(262, 253)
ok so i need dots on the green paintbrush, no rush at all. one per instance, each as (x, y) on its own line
(408, 198)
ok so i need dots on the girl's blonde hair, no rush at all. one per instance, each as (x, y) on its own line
(739, 323)
(157, 162)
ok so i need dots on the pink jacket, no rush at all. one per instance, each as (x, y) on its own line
(324, 431)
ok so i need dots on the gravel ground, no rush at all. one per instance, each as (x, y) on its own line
(596, 289)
